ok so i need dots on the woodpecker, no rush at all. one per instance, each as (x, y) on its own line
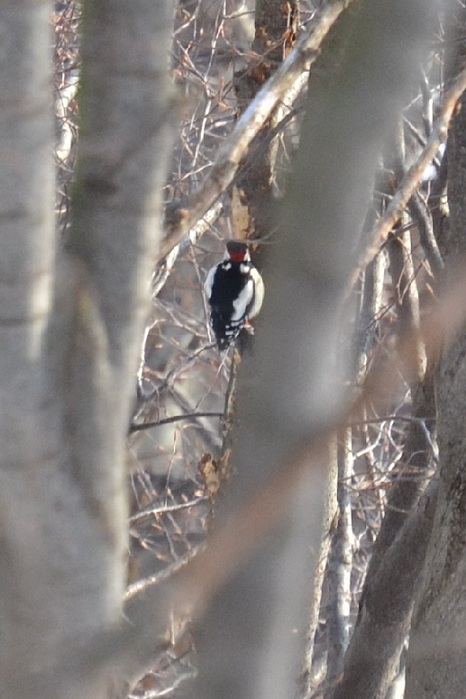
(235, 291)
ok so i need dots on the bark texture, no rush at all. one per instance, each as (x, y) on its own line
(436, 660)
(385, 611)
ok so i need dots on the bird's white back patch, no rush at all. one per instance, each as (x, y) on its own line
(240, 304)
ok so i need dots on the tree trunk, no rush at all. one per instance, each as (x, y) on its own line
(70, 334)
(436, 659)
(385, 611)
(250, 639)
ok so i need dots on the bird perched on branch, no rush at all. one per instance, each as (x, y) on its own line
(235, 291)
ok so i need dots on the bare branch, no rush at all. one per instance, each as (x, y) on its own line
(152, 580)
(423, 219)
(166, 263)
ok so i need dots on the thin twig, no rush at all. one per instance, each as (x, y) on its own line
(170, 420)
(421, 214)
(154, 510)
(142, 585)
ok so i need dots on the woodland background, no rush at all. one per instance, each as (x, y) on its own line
(175, 522)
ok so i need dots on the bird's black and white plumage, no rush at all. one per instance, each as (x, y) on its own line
(235, 291)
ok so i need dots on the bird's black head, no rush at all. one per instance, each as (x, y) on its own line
(237, 251)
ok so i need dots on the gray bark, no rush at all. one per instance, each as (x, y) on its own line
(250, 640)
(70, 332)
(383, 621)
(385, 613)
(436, 659)
(314, 664)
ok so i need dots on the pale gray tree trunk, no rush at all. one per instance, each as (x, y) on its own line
(70, 329)
(250, 642)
